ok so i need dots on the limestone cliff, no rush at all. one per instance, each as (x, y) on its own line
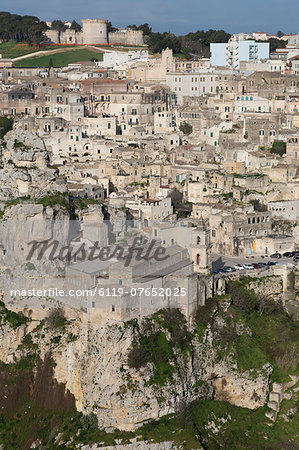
(92, 361)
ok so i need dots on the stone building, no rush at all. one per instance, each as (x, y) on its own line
(94, 32)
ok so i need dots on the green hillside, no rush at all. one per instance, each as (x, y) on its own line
(12, 49)
(60, 59)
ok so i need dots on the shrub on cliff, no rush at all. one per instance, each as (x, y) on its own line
(56, 318)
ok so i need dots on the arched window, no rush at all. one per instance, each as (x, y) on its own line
(198, 240)
(197, 259)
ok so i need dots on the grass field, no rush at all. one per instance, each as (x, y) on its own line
(60, 59)
(12, 49)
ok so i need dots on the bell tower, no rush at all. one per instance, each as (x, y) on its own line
(201, 248)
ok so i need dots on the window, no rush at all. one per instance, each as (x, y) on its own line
(262, 132)
(113, 308)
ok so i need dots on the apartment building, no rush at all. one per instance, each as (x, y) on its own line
(232, 53)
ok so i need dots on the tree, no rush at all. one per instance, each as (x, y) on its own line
(59, 26)
(75, 26)
(199, 42)
(110, 28)
(280, 34)
(21, 28)
(186, 128)
(147, 31)
(160, 41)
(278, 148)
(6, 125)
(276, 43)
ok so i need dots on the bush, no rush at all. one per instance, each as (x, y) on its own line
(152, 344)
(13, 318)
(56, 318)
(137, 358)
(90, 422)
(278, 148)
(258, 206)
(186, 128)
(242, 298)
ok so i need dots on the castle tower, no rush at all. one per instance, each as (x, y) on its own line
(201, 249)
(94, 31)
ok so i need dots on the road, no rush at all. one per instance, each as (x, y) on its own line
(59, 50)
(219, 261)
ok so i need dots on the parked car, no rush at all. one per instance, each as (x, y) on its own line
(289, 254)
(215, 271)
(272, 263)
(296, 258)
(238, 267)
(248, 266)
(257, 266)
(263, 265)
(276, 255)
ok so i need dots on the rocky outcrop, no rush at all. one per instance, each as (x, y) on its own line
(10, 339)
(278, 394)
(242, 390)
(24, 167)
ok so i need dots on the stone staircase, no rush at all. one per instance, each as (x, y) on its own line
(277, 395)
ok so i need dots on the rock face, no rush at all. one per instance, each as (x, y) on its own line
(240, 390)
(24, 167)
(10, 340)
(91, 360)
(27, 222)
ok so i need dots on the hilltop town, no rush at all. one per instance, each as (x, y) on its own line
(149, 220)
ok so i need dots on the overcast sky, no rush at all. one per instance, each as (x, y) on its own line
(176, 16)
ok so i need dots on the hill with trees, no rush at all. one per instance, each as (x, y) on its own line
(21, 28)
(198, 42)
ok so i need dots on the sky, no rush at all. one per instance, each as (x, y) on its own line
(177, 16)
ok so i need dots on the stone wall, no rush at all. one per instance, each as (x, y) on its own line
(127, 37)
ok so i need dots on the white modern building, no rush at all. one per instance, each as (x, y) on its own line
(230, 54)
(195, 84)
(114, 59)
